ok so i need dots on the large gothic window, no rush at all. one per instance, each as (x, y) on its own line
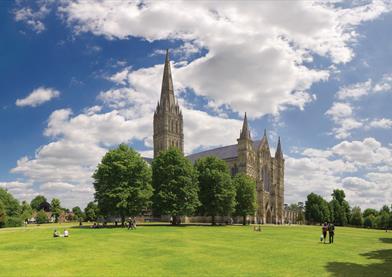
(266, 178)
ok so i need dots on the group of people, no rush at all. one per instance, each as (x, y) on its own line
(330, 228)
(56, 234)
(132, 223)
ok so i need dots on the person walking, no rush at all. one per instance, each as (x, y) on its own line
(331, 232)
(324, 230)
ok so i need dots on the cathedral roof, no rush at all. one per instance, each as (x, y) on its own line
(225, 152)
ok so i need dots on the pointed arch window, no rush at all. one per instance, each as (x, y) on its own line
(266, 178)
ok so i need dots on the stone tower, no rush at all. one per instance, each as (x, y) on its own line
(246, 154)
(279, 179)
(168, 123)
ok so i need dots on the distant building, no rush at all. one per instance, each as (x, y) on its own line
(247, 156)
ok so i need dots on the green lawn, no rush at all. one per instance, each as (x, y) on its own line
(194, 251)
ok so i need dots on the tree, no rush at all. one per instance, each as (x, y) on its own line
(26, 211)
(217, 192)
(316, 209)
(91, 211)
(41, 217)
(245, 196)
(40, 203)
(341, 212)
(56, 208)
(11, 205)
(3, 215)
(369, 221)
(122, 183)
(356, 217)
(382, 219)
(175, 185)
(369, 211)
(78, 214)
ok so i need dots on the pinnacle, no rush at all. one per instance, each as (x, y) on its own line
(245, 133)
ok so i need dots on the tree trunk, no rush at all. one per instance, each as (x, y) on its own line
(244, 220)
(122, 221)
(213, 220)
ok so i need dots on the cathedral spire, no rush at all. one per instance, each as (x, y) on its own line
(264, 141)
(167, 91)
(245, 133)
(279, 153)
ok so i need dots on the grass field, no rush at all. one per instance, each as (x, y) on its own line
(194, 251)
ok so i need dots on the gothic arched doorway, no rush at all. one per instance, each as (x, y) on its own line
(269, 216)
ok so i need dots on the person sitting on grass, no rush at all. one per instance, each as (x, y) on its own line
(56, 234)
(66, 233)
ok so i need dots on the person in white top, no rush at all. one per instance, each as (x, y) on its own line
(66, 234)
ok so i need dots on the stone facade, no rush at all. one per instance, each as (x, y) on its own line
(168, 123)
(247, 156)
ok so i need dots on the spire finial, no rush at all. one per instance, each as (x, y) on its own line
(265, 132)
(279, 153)
(245, 133)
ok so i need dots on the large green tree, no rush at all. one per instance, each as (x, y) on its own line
(11, 205)
(26, 211)
(56, 208)
(3, 215)
(341, 212)
(40, 203)
(122, 183)
(91, 211)
(370, 211)
(316, 209)
(78, 213)
(245, 196)
(356, 217)
(175, 185)
(217, 191)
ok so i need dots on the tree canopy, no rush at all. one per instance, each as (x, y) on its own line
(175, 185)
(40, 203)
(245, 196)
(122, 183)
(316, 209)
(91, 211)
(217, 191)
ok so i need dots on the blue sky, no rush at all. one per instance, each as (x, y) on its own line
(78, 78)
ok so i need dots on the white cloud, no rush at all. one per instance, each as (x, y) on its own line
(38, 97)
(339, 111)
(250, 45)
(321, 171)
(342, 115)
(33, 18)
(383, 123)
(365, 153)
(354, 91)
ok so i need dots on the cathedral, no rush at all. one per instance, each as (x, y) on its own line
(246, 156)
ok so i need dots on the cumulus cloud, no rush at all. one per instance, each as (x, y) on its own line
(250, 45)
(354, 91)
(38, 97)
(33, 17)
(322, 170)
(343, 117)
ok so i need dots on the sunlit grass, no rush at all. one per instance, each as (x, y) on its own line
(193, 251)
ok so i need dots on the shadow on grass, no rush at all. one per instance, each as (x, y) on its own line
(380, 266)
(386, 240)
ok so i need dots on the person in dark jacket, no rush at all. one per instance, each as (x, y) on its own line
(331, 232)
